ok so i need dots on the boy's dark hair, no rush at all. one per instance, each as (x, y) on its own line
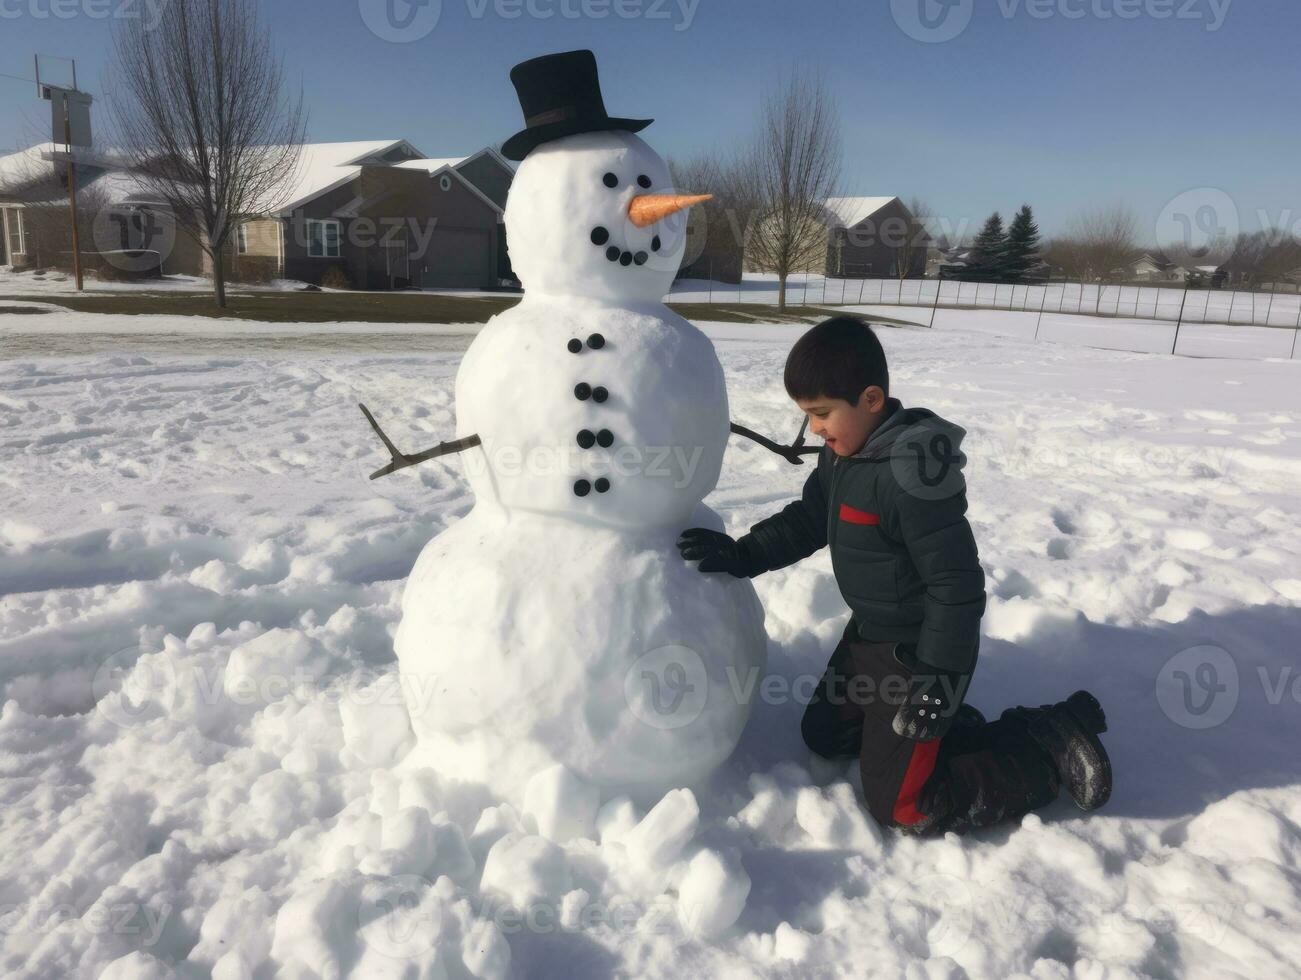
(836, 359)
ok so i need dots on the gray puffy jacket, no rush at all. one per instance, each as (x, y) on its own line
(902, 550)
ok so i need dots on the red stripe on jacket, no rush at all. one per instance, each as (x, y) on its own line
(920, 767)
(853, 515)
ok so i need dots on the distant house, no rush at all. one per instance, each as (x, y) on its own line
(956, 262)
(1206, 276)
(384, 215)
(1155, 267)
(866, 237)
(869, 237)
(381, 214)
(118, 216)
(714, 250)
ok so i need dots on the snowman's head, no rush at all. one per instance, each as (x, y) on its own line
(593, 215)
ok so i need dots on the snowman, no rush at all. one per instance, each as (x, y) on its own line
(557, 622)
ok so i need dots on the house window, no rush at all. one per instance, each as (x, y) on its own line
(323, 239)
(241, 238)
(17, 244)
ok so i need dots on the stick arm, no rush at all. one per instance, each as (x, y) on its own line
(401, 460)
(791, 453)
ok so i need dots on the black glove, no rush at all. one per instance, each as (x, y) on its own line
(717, 552)
(931, 703)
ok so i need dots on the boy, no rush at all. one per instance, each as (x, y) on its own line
(889, 498)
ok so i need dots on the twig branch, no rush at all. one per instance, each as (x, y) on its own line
(401, 460)
(791, 453)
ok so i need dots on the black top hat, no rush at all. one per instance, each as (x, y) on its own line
(560, 95)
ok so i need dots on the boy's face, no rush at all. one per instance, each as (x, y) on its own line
(843, 425)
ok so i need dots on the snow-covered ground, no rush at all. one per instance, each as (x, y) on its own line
(202, 748)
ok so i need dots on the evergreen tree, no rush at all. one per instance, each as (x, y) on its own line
(1022, 251)
(989, 251)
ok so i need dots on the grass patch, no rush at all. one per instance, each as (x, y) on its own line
(328, 307)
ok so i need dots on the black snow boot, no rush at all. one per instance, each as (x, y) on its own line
(1068, 731)
(968, 716)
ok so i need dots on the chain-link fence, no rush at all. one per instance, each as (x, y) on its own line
(1155, 304)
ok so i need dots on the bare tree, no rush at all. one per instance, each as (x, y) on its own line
(203, 117)
(1266, 256)
(794, 167)
(1098, 246)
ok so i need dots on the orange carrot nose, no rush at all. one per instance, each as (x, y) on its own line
(646, 209)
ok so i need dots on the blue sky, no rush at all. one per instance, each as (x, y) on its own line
(1064, 104)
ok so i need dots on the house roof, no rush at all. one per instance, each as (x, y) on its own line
(435, 163)
(324, 166)
(849, 211)
(321, 168)
(23, 167)
(29, 169)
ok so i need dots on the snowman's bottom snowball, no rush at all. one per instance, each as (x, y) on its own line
(528, 640)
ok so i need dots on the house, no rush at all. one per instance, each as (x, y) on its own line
(383, 215)
(714, 248)
(865, 237)
(124, 229)
(369, 215)
(957, 262)
(871, 237)
(1154, 267)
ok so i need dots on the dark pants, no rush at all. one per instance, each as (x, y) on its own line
(976, 775)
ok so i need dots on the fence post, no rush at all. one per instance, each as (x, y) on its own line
(1294, 336)
(1180, 323)
(711, 281)
(938, 284)
(1042, 302)
(861, 283)
(1270, 308)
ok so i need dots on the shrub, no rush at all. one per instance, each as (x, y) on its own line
(336, 277)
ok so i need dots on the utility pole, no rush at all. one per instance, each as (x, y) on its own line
(72, 194)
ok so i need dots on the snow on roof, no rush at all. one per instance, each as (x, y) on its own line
(849, 211)
(324, 166)
(24, 166)
(433, 164)
(30, 169)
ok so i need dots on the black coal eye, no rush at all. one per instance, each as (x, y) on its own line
(611, 180)
(643, 181)
(600, 236)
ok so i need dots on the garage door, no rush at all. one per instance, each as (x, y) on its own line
(458, 258)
